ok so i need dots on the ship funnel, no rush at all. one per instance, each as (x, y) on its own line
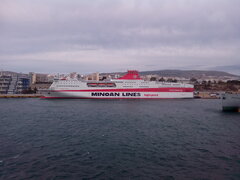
(131, 75)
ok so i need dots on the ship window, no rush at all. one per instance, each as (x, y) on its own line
(127, 86)
(101, 84)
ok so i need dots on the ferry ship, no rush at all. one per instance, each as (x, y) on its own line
(129, 86)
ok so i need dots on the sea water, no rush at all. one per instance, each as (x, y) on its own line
(118, 139)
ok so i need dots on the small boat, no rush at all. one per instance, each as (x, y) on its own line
(231, 102)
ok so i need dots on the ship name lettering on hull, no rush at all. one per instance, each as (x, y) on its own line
(114, 94)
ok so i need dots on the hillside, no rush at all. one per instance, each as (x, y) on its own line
(183, 73)
(189, 73)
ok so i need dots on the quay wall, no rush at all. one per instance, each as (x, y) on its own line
(20, 95)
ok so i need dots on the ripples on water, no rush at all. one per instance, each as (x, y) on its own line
(118, 139)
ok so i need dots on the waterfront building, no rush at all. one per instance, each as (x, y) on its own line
(4, 83)
(37, 77)
(93, 76)
(23, 83)
(14, 83)
(40, 86)
(40, 81)
(73, 75)
(19, 82)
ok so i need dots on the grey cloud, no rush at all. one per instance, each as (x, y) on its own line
(51, 26)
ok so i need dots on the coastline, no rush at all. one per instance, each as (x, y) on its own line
(20, 95)
(201, 95)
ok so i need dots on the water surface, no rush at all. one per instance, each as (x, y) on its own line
(118, 139)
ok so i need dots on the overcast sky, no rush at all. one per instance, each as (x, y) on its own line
(115, 35)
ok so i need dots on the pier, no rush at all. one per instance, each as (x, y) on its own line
(20, 95)
(207, 95)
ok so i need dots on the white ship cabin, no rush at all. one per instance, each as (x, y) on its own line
(131, 80)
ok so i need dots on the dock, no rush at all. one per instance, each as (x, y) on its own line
(20, 95)
(207, 95)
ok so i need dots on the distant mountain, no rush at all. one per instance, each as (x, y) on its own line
(183, 73)
(189, 73)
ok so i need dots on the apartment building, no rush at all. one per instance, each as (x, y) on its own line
(4, 83)
(13, 83)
